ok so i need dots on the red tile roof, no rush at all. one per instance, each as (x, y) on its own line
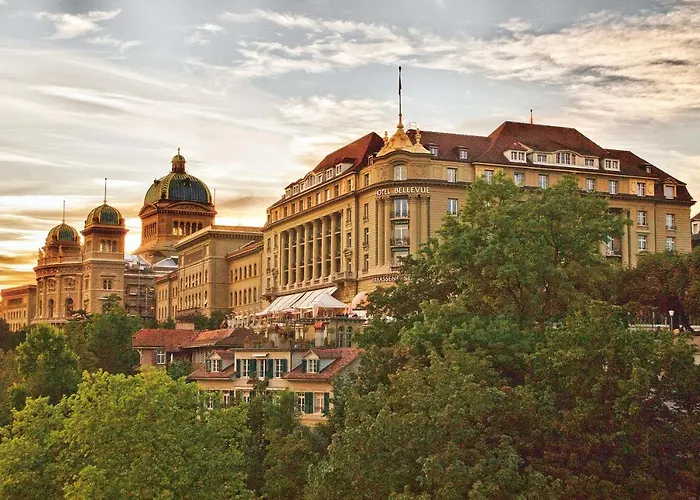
(222, 337)
(168, 339)
(201, 373)
(356, 152)
(343, 357)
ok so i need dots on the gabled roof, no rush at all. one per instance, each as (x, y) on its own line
(169, 339)
(202, 373)
(342, 356)
(356, 152)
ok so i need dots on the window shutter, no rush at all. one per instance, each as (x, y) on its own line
(326, 403)
(252, 367)
(309, 402)
(208, 365)
(284, 366)
(238, 368)
(303, 366)
(154, 359)
(270, 368)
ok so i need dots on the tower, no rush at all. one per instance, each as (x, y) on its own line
(174, 206)
(103, 256)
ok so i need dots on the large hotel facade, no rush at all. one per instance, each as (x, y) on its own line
(348, 223)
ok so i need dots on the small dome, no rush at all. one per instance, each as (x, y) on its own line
(105, 215)
(63, 233)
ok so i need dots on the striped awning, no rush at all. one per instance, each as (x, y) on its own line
(301, 300)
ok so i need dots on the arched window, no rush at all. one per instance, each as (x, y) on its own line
(175, 228)
(69, 306)
(51, 308)
(245, 297)
(231, 300)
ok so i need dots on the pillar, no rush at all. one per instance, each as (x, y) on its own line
(413, 224)
(324, 247)
(299, 270)
(316, 248)
(380, 231)
(334, 242)
(386, 237)
(309, 252)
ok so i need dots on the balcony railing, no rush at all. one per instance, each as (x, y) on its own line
(400, 242)
(613, 252)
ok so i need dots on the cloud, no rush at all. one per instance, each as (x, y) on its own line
(76, 25)
(201, 35)
(112, 42)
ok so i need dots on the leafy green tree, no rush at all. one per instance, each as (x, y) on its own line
(29, 452)
(46, 364)
(179, 369)
(108, 337)
(9, 339)
(168, 324)
(8, 377)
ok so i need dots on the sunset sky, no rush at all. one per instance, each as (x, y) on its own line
(255, 93)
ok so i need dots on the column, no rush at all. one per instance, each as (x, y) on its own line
(380, 232)
(324, 246)
(284, 262)
(425, 219)
(290, 256)
(300, 270)
(316, 248)
(334, 242)
(309, 253)
(413, 221)
(624, 244)
(386, 237)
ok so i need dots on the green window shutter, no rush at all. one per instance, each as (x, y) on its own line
(207, 364)
(252, 367)
(303, 366)
(326, 403)
(238, 368)
(284, 366)
(309, 402)
(270, 368)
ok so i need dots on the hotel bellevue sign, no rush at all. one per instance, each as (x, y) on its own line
(403, 190)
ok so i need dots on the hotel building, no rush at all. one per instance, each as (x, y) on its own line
(347, 224)
(18, 306)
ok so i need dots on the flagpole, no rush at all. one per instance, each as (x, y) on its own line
(400, 115)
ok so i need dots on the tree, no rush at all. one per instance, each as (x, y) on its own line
(8, 377)
(46, 364)
(108, 337)
(179, 369)
(145, 436)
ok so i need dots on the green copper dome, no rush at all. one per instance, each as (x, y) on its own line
(178, 185)
(63, 233)
(105, 215)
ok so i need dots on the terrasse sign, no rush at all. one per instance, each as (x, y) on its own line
(403, 190)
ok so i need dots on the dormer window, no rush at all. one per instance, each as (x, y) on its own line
(589, 162)
(287, 192)
(329, 173)
(312, 366)
(612, 164)
(295, 189)
(463, 155)
(517, 156)
(564, 158)
(541, 158)
(319, 178)
(213, 365)
(370, 160)
(433, 149)
(669, 192)
(338, 169)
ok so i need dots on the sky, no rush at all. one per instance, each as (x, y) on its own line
(258, 92)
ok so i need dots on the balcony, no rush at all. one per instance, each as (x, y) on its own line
(613, 252)
(399, 214)
(400, 242)
(344, 276)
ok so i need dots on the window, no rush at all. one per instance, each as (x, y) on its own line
(349, 240)
(329, 173)
(669, 192)
(564, 158)
(519, 179)
(400, 207)
(541, 158)
(160, 357)
(642, 242)
(107, 284)
(517, 156)
(365, 267)
(488, 176)
(451, 175)
(245, 367)
(588, 162)
(641, 217)
(452, 206)
(463, 155)
(338, 169)
(612, 164)
(670, 243)
(301, 402)
(365, 237)
(670, 221)
(328, 194)
(284, 212)
(365, 212)
(400, 172)
(318, 198)
(312, 366)
(433, 149)
(301, 205)
(641, 188)
(280, 368)
(590, 184)
(348, 215)
(612, 187)
(366, 180)
(543, 181)
(336, 190)
(215, 365)
(320, 402)
(349, 185)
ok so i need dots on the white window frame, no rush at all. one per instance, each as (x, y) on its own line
(488, 176)
(277, 369)
(463, 155)
(541, 158)
(329, 173)
(433, 149)
(642, 243)
(611, 164)
(642, 218)
(670, 221)
(641, 189)
(565, 158)
(319, 400)
(518, 156)
(543, 181)
(613, 187)
(301, 400)
(589, 162)
(670, 243)
(216, 365)
(400, 172)
(161, 357)
(452, 206)
(590, 184)
(451, 175)
(312, 366)
(669, 189)
(519, 178)
(245, 368)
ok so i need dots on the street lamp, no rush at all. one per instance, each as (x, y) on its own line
(670, 313)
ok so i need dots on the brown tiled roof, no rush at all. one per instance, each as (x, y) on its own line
(202, 373)
(448, 145)
(222, 337)
(356, 152)
(223, 353)
(343, 357)
(168, 339)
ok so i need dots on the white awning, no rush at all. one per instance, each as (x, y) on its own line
(325, 301)
(301, 300)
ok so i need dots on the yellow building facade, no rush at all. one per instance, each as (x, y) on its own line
(245, 279)
(18, 306)
(350, 221)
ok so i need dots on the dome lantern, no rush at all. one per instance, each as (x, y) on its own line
(178, 163)
(178, 185)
